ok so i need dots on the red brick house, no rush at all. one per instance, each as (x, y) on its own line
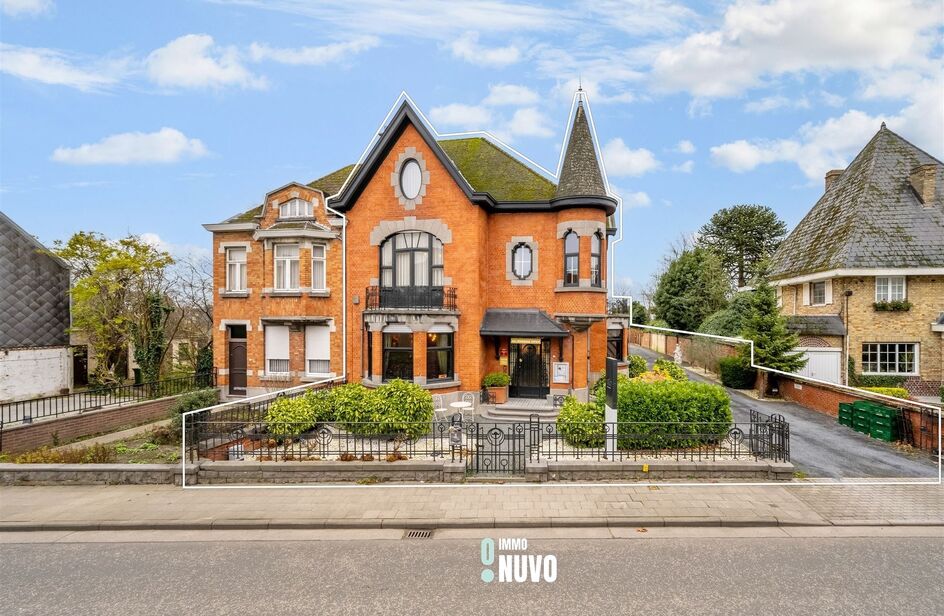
(435, 259)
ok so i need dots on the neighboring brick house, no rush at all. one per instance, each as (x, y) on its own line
(444, 259)
(862, 276)
(35, 359)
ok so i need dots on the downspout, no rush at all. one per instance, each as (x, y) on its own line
(844, 369)
(344, 335)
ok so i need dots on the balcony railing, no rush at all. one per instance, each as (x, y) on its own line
(438, 298)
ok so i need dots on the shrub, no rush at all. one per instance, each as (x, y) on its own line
(599, 388)
(894, 392)
(863, 380)
(581, 424)
(671, 401)
(403, 408)
(496, 379)
(291, 416)
(736, 373)
(350, 404)
(192, 401)
(93, 454)
(670, 369)
(636, 365)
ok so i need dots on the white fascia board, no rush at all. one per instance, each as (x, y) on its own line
(852, 272)
(278, 233)
(231, 226)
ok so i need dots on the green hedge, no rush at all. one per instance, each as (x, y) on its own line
(736, 373)
(637, 365)
(397, 407)
(192, 401)
(670, 369)
(581, 424)
(671, 401)
(496, 379)
(894, 392)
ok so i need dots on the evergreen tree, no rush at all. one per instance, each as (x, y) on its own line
(773, 342)
(692, 287)
(742, 236)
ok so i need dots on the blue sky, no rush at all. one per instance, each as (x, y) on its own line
(155, 117)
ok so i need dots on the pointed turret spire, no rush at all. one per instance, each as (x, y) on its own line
(580, 173)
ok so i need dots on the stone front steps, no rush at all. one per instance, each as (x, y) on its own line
(519, 410)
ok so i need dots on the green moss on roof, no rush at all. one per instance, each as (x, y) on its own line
(247, 216)
(488, 168)
(331, 183)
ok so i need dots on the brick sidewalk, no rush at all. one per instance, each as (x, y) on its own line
(147, 507)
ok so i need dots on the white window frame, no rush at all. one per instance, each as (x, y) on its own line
(296, 208)
(888, 288)
(274, 351)
(317, 348)
(916, 353)
(240, 265)
(319, 285)
(516, 260)
(284, 277)
(813, 301)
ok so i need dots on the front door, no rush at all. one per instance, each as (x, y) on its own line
(237, 367)
(529, 360)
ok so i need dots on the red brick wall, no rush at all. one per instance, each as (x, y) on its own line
(71, 427)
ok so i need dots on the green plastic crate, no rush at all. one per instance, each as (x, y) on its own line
(864, 428)
(883, 434)
(883, 422)
(846, 421)
(845, 407)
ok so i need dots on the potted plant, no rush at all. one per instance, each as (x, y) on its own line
(497, 385)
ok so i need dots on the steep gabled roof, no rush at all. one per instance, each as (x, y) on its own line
(580, 173)
(490, 169)
(870, 217)
(330, 184)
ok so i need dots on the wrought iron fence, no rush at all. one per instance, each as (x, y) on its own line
(770, 436)
(443, 298)
(26, 411)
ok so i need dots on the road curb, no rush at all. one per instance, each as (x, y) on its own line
(424, 523)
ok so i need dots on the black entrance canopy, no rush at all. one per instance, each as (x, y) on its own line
(521, 322)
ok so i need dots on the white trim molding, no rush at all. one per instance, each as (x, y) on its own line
(861, 272)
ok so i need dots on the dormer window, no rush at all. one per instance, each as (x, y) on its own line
(296, 208)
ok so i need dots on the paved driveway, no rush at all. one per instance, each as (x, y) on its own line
(819, 446)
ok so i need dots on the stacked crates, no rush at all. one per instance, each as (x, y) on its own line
(876, 420)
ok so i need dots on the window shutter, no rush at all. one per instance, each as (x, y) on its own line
(317, 342)
(276, 342)
(829, 291)
(779, 297)
(806, 294)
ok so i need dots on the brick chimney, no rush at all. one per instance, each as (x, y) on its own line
(922, 180)
(832, 176)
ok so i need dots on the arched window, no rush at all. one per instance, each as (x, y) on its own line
(596, 250)
(571, 259)
(411, 270)
(522, 261)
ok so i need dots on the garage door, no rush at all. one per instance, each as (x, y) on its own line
(822, 364)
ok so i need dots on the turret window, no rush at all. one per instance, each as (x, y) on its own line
(571, 259)
(596, 243)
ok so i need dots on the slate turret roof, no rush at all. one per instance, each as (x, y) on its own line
(580, 173)
(870, 217)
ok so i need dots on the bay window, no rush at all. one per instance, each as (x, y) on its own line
(439, 356)
(398, 356)
(318, 272)
(286, 267)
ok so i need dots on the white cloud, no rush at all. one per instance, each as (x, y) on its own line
(770, 103)
(467, 48)
(632, 199)
(685, 147)
(687, 167)
(457, 114)
(179, 251)
(758, 40)
(313, 56)
(26, 8)
(621, 160)
(194, 61)
(642, 17)
(510, 94)
(167, 145)
(529, 122)
(832, 100)
(57, 68)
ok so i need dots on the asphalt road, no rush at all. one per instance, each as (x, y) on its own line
(819, 446)
(704, 576)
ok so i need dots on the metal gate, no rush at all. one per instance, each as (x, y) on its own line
(770, 436)
(496, 447)
(529, 364)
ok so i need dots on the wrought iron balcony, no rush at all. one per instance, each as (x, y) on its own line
(428, 298)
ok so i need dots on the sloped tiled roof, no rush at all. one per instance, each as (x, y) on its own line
(520, 322)
(870, 217)
(580, 173)
(331, 183)
(488, 168)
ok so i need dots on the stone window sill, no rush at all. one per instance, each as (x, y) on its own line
(311, 378)
(284, 294)
(234, 294)
(324, 293)
(441, 384)
(285, 376)
(580, 290)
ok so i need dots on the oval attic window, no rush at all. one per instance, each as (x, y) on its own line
(411, 178)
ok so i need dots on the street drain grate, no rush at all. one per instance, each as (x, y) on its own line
(419, 534)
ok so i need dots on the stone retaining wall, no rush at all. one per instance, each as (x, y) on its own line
(66, 428)
(603, 470)
(91, 474)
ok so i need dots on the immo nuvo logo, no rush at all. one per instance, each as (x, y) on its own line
(514, 565)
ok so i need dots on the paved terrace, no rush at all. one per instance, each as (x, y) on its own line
(475, 506)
